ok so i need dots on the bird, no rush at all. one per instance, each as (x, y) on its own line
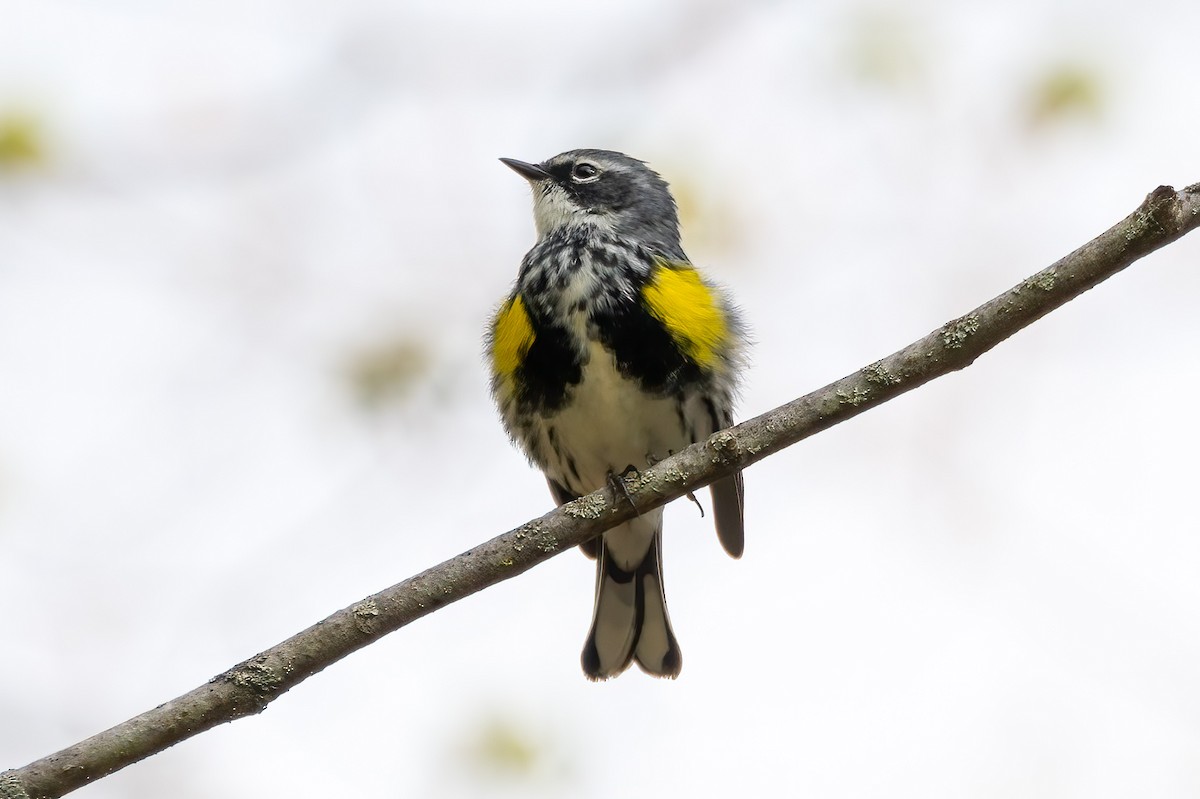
(611, 353)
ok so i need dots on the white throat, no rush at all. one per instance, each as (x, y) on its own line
(553, 210)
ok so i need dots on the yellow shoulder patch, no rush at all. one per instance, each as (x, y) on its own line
(678, 298)
(512, 336)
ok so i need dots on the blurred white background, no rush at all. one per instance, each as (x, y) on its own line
(246, 254)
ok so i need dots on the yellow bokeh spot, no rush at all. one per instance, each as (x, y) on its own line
(386, 373)
(22, 142)
(1067, 91)
(709, 221)
(883, 48)
(504, 748)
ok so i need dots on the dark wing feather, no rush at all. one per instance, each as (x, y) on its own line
(728, 501)
(561, 497)
(728, 496)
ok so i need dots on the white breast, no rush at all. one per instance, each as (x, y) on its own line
(608, 425)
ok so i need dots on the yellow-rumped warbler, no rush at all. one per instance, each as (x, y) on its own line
(612, 353)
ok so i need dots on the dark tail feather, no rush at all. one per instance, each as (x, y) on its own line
(657, 652)
(630, 620)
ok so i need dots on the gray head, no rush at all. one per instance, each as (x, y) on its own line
(606, 190)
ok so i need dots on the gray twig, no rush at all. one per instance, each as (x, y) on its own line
(247, 688)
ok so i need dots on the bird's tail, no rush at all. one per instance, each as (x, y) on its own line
(630, 620)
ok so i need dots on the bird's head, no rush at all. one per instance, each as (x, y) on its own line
(602, 189)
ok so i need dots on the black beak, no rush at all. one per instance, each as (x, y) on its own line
(528, 171)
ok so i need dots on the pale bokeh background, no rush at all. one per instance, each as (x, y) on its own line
(246, 253)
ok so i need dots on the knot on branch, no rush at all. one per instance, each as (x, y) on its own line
(1165, 212)
(365, 614)
(260, 679)
(724, 446)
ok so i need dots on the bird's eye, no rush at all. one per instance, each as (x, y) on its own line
(584, 173)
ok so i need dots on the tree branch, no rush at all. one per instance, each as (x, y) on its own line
(1163, 217)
